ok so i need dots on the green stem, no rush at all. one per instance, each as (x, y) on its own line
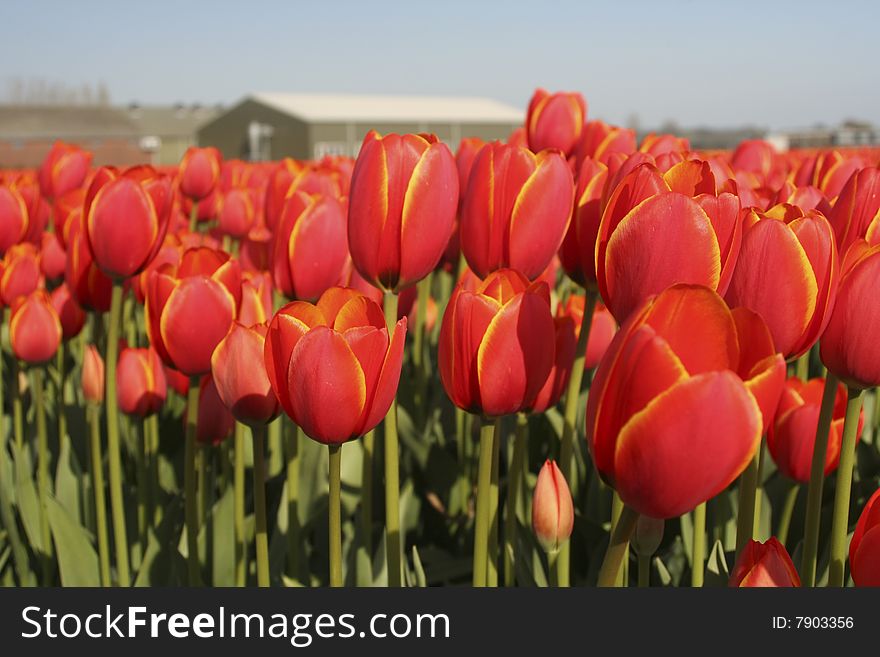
(745, 515)
(514, 479)
(572, 396)
(142, 485)
(201, 480)
(492, 563)
(817, 481)
(151, 435)
(461, 436)
(759, 487)
(616, 510)
(114, 458)
(617, 547)
(644, 571)
(262, 540)
(194, 217)
(481, 528)
(699, 561)
(17, 408)
(843, 489)
(293, 541)
(424, 292)
(787, 511)
(335, 516)
(392, 474)
(802, 366)
(43, 473)
(238, 506)
(190, 483)
(367, 493)
(94, 413)
(61, 409)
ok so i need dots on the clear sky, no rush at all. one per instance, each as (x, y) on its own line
(698, 62)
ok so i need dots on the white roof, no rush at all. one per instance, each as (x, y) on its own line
(335, 108)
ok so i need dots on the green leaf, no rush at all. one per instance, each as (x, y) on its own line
(223, 558)
(26, 497)
(68, 478)
(662, 572)
(77, 560)
(421, 580)
(717, 572)
(159, 563)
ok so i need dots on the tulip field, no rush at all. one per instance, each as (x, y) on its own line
(573, 358)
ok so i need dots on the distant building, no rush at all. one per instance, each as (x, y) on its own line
(167, 131)
(274, 125)
(847, 134)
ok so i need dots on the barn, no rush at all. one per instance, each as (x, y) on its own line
(267, 126)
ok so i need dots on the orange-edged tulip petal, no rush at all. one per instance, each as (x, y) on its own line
(384, 389)
(239, 373)
(864, 549)
(764, 565)
(34, 328)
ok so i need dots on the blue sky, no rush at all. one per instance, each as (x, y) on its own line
(774, 64)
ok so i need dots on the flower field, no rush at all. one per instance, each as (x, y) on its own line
(569, 359)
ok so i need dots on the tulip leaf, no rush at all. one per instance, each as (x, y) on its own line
(717, 572)
(158, 565)
(77, 560)
(662, 572)
(26, 497)
(223, 557)
(68, 478)
(420, 579)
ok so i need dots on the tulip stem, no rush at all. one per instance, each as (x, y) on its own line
(194, 217)
(616, 510)
(745, 513)
(759, 487)
(94, 413)
(392, 475)
(464, 481)
(262, 541)
(293, 545)
(17, 409)
(367, 500)
(843, 489)
(817, 481)
(483, 520)
(43, 474)
(142, 486)
(152, 428)
(787, 511)
(190, 483)
(617, 547)
(238, 507)
(61, 365)
(644, 571)
(514, 479)
(114, 459)
(492, 563)
(572, 397)
(335, 515)
(802, 366)
(419, 360)
(699, 558)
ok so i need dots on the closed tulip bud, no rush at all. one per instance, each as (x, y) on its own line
(311, 246)
(277, 188)
(93, 375)
(333, 366)
(516, 209)
(864, 549)
(557, 380)
(555, 120)
(793, 291)
(256, 298)
(65, 210)
(401, 208)
(648, 535)
(91, 287)
(191, 306)
(239, 373)
(37, 208)
(578, 251)
(792, 435)
(70, 313)
(856, 212)
(215, 422)
(64, 169)
(599, 141)
(552, 508)
(671, 422)
(20, 272)
(13, 218)
(493, 350)
(237, 213)
(34, 328)
(53, 259)
(140, 381)
(602, 328)
(127, 219)
(199, 172)
(764, 565)
(848, 346)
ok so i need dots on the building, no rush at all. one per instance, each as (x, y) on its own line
(167, 131)
(273, 125)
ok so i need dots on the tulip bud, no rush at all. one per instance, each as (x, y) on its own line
(864, 549)
(34, 328)
(53, 259)
(90, 286)
(13, 218)
(93, 375)
(215, 422)
(64, 169)
(555, 120)
(237, 213)
(648, 535)
(71, 314)
(764, 565)
(19, 272)
(552, 508)
(199, 172)
(140, 382)
(256, 298)
(856, 212)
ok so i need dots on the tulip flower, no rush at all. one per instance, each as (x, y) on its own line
(191, 307)
(277, 188)
(792, 435)
(311, 247)
(856, 212)
(794, 290)
(864, 549)
(64, 169)
(93, 375)
(554, 386)
(215, 422)
(38, 208)
(552, 508)
(53, 259)
(600, 141)
(237, 213)
(256, 298)
(70, 313)
(516, 209)
(602, 328)
(578, 251)
(91, 287)
(764, 565)
(493, 348)
(19, 272)
(140, 379)
(13, 218)
(402, 203)
(555, 120)
(34, 328)
(239, 374)
(199, 172)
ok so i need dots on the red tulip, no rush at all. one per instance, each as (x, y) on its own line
(848, 347)
(332, 365)
(240, 375)
(670, 422)
(190, 308)
(557, 380)
(552, 508)
(70, 313)
(794, 289)
(578, 251)
(311, 246)
(555, 120)
(864, 549)
(91, 287)
(34, 328)
(20, 272)
(93, 375)
(657, 145)
(402, 203)
(602, 328)
(494, 351)
(199, 172)
(176, 380)
(764, 565)
(37, 208)
(256, 298)
(13, 218)
(856, 212)
(516, 209)
(237, 213)
(53, 259)
(599, 141)
(64, 169)
(140, 380)
(277, 188)
(215, 422)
